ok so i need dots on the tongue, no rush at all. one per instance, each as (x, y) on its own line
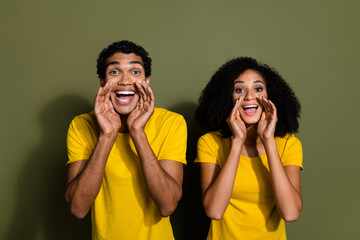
(125, 98)
(250, 110)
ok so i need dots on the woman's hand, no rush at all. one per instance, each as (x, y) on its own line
(268, 120)
(236, 124)
(144, 108)
(108, 119)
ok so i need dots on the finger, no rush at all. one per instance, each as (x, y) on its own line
(264, 103)
(137, 107)
(107, 93)
(261, 102)
(263, 117)
(241, 100)
(147, 94)
(98, 94)
(141, 90)
(237, 116)
(235, 109)
(273, 108)
(152, 97)
(106, 88)
(270, 106)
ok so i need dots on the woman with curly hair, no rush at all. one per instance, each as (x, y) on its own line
(250, 160)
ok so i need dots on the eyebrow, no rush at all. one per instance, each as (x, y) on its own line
(256, 81)
(117, 63)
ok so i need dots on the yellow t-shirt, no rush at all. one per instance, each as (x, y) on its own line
(124, 209)
(251, 213)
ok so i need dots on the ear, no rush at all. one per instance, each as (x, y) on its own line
(102, 82)
(147, 80)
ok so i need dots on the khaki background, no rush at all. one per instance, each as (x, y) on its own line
(48, 75)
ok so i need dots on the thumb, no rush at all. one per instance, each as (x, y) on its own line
(263, 116)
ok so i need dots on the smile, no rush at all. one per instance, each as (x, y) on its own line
(124, 97)
(250, 109)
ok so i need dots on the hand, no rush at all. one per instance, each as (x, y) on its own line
(267, 124)
(144, 108)
(236, 124)
(106, 116)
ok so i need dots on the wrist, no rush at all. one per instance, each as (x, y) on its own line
(237, 140)
(268, 141)
(237, 143)
(137, 132)
(108, 136)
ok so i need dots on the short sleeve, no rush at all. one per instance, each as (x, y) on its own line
(293, 153)
(206, 150)
(77, 148)
(175, 143)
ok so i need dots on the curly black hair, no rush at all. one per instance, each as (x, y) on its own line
(126, 47)
(216, 100)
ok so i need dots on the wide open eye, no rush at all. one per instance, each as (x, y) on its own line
(113, 72)
(239, 90)
(136, 72)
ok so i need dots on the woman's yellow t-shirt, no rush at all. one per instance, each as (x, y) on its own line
(123, 208)
(251, 213)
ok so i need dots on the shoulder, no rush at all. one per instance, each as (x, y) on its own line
(163, 116)
(290, 150)
(162, 113)
(212, 138)
(287, 141)
(84, 122)
(85, 117)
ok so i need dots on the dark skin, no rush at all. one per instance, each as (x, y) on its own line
(163, 177)
(252, 135)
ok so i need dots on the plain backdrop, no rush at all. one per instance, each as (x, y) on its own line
(48, 75)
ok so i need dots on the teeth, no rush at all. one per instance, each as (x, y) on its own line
(125, 92)
(250, 106)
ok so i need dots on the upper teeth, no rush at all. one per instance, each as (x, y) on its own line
(125, 92)
(250, 106)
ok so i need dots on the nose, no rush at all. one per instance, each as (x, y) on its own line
(250, 96)
(124, 80)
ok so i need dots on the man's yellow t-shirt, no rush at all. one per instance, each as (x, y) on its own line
(252, 212)
(124, 209)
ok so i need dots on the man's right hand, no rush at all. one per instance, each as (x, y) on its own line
(108, 119)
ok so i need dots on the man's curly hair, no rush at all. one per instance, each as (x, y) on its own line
(216, 100)
(126, 47)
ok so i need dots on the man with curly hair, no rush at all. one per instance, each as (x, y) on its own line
(126, 157)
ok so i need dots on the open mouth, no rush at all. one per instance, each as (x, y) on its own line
(124, 97)
(250, 109)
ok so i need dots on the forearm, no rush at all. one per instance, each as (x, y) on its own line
(82, 190)
(217, 196)
(287, 197)
(164, 189)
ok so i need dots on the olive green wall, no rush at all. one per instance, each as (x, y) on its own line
(48, 55)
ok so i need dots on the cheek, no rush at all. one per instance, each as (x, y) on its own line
(264, 94)
(236, 96)
(110, 79)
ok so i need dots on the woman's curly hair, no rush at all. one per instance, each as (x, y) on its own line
(125, 47)
(216, 100)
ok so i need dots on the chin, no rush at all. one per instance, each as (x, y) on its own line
(251, 120)
(124, 109)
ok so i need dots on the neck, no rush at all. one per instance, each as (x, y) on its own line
(124, 127)
(251, 136)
